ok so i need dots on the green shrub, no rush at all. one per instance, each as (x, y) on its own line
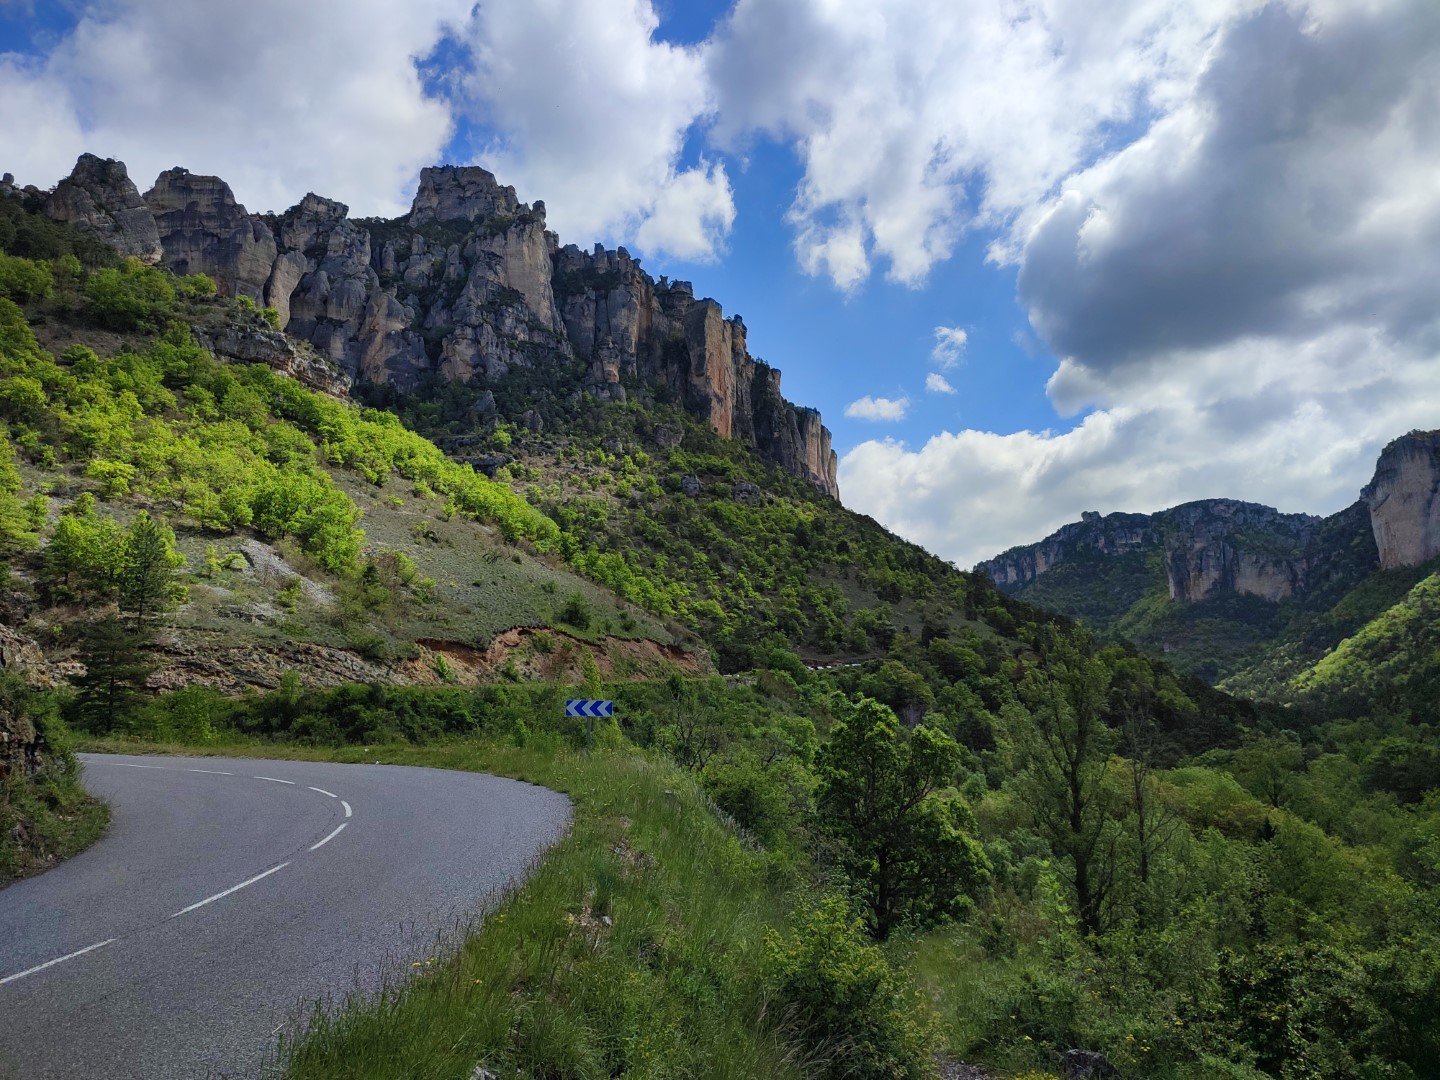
(845, 1003)
(576, 612)
(23, 280)
(196, 287)
(751, 794)
(132, 296)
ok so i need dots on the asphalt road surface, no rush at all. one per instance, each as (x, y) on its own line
(231, 895)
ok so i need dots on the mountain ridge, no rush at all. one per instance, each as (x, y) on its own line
(467, 286)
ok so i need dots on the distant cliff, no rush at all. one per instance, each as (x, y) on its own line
(467, 286)
(1220, 546)
(1206, 548)
(1404, 500)
(1226, 587)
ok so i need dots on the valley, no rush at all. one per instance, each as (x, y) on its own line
(1158, 793)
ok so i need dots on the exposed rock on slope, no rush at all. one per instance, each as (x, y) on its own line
(1404, 500)
(1263, 594)
(467, 286)
(99, 198)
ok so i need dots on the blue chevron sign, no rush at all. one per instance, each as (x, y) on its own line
(588, 707)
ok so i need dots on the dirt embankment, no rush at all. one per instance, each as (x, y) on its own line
(206, 658)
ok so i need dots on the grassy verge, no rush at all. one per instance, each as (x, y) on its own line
(636, 949)
(45, 818)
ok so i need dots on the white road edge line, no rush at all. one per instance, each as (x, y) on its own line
(273, 780)
(338, 829)
(57, 960)
(324, 792)
(211, 772)
(129, 765)
(347, 807)
(227, 892)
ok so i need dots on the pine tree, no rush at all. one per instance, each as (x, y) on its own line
(116, 667)
(147, 570)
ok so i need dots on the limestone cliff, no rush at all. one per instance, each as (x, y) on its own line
(1404, 500)
(628, 324)
(467, 286)
(1218, 547)
(1210, 548)
(99, 198)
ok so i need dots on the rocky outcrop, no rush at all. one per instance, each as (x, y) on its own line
(257, 343)
(630, 326)
(1404, 500)
(1221, 546)
(469, 286)
(1114, 534)
(203, 230)
(99, 198)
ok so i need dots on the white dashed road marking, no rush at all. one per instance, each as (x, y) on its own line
(209, 899)
(227, 892)
(338, 829)
(57, 960)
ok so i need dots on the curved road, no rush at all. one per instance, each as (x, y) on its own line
(229, 895)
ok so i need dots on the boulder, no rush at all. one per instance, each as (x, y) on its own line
(746, 492)
(1087, 1065)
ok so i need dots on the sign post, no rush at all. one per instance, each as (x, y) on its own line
(589, 708)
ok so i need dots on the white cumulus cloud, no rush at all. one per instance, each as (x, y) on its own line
(591, 114)
(949, 346)
(873, 408)
(938, 384)
(917, 120)
(278, 100)
(1247, 295)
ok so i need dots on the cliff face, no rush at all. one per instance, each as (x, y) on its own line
(1211, 548)
(1114, 534)
(1404, 500)
(468, 285)
(99, 197)
(1219, 546)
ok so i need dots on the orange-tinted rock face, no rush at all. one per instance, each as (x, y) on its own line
(1404, 500)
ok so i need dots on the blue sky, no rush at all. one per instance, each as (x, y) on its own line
(1194, 249)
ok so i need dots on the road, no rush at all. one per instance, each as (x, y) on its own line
(229, 895)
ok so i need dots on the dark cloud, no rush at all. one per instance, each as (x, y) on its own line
(1294, 193)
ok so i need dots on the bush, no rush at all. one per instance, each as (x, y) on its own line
(845, 1002)
(750, 794)
(22, 280)
(576, 612)
(196, 287)
(132, 296)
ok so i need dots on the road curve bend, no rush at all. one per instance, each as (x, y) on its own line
(231, 894)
